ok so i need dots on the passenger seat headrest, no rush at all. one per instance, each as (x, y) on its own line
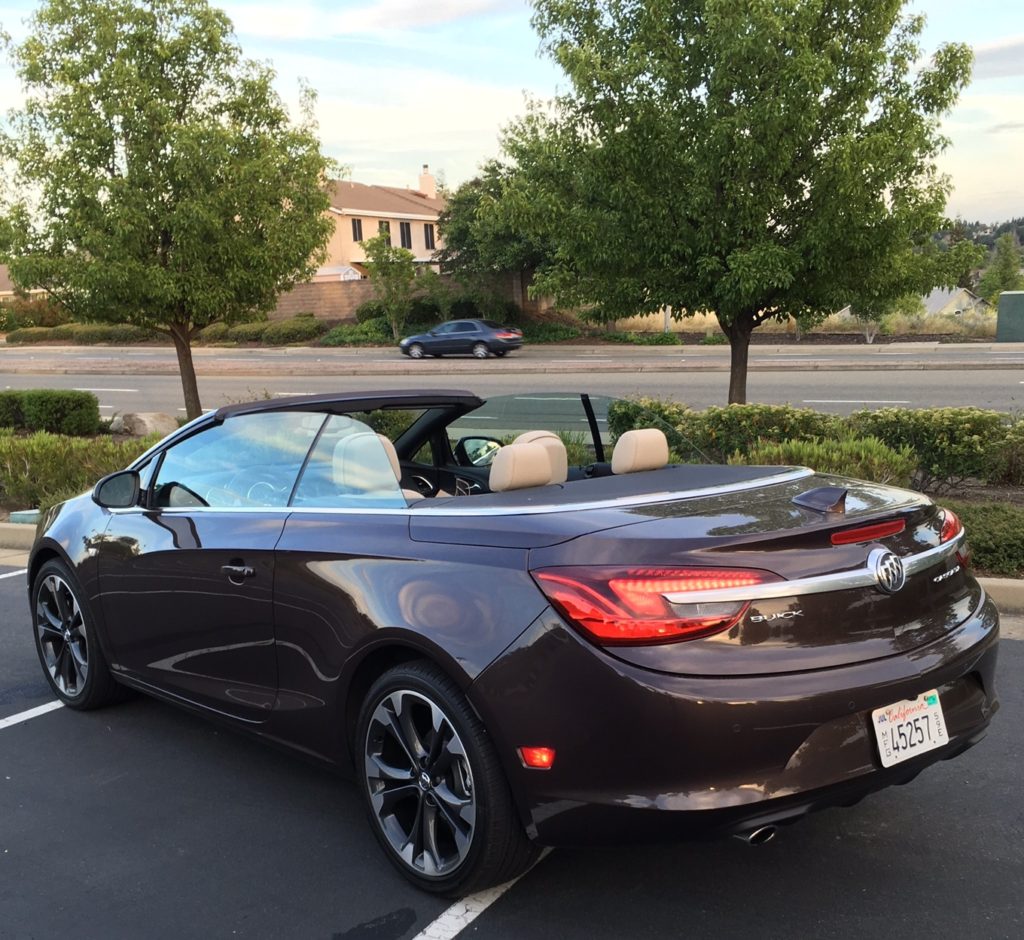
(556, 451)
(389, 449)
(642, 449)
(517, 466)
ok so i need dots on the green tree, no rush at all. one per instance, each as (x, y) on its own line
(159, 178)
(752, 158)
(1004, 271)
(393, 276)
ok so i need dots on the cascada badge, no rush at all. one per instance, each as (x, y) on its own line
(889, 573)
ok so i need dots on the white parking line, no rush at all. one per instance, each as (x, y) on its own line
(856, 401)
(106, 389)
(461, 914)
(31, 713)
(13, 574)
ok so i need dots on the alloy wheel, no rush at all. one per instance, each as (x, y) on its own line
(420, 783)
(480, 350)
(60, 628)
(415, 351)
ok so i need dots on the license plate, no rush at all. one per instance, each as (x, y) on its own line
(905, 729)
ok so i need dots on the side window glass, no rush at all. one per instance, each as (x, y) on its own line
(444, 328)
(248, 461)
(351, 467)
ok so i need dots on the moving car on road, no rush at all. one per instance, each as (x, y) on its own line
(514, 631)
(478, 338)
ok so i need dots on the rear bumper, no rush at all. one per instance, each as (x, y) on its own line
(643, 756)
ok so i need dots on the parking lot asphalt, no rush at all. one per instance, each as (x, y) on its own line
(145, 821)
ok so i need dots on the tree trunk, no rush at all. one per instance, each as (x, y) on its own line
(182, 337)
(739, 346)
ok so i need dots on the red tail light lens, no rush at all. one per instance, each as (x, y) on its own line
(508, 334)
(869, 533)
(951, 526)
(628, 606)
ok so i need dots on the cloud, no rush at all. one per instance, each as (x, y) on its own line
(1010, 126)
(1002, 59)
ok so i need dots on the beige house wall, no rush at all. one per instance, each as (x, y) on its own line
(344, 249)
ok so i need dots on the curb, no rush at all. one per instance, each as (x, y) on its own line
(1008, 593)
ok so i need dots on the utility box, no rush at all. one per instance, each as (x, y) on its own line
(1010, 325)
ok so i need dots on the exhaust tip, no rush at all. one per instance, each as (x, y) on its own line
(760, 836)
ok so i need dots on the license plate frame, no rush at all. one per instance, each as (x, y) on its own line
(906, 729)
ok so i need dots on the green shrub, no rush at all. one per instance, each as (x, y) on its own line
(549, 332)
(995, 533)
(83, 334)
(464, 308)
(424, 310)
(371, 309)
(1007, 464)
(38, 469)
(60, 411)
(368, 333)
(11, 415)
(18, 312)
(952, 444)
(30, 334)
(644, 339)
(248, 332)
(714, 339)
(865, 458)
(214, 333)
(296, 330)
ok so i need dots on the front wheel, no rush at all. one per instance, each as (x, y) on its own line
(438, 801)
(480, 350)
(66, 642)
(415, 351)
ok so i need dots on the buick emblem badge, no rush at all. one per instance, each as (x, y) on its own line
(888, 569)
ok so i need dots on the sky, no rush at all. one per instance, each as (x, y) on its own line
(407, 82)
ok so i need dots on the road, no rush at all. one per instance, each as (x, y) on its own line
(145, 821)
(839, 392)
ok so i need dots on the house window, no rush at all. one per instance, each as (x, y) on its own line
(428, 236)
(384, 228)
(357, 230)
(405, 233)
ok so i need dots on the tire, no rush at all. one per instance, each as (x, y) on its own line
(415, 351)
(66, 641)
(480, 351)
(500, 352)
(465, 811)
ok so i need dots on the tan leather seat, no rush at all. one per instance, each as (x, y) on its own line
(396, 466)
(517, 466)
(556, 451)
(641, 449)
(360, 464)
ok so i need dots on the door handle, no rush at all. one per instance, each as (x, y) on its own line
(236, 573)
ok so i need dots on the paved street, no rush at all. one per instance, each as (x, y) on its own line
(144, 821)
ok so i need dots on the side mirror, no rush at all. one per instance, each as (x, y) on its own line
(476, 451)
(432, 333)
(118, 490)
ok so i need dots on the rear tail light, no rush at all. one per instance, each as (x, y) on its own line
(508, 334)
(868, 533)
(537, 758)
(616, 606)
(951, 526)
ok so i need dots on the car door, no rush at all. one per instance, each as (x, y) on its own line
(442, 339)
(466, 334)
(187, 580)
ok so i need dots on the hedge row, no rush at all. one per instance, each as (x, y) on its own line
(300, 329)
(946, 445)
(995, 534)
(59, 411)
(42, 469)
(83, 334)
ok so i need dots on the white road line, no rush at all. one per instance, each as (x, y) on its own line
(106, 389)
(291, 394)
(461, 914)
(31, 713)
(13, 574)
(855, 401)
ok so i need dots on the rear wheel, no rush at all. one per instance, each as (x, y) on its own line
(480, 350)
(500, 352)
(437, 798)
(66, 641)
(415, 351)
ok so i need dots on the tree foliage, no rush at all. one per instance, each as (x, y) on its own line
(159, 178)
(751, 158)
(1004, 272)
(393, 275)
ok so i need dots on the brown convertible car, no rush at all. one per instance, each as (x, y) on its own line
(516, 632)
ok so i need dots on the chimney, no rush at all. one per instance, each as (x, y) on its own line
(427, 185)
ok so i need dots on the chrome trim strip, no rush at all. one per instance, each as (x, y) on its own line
(619, 502)
(820, 584)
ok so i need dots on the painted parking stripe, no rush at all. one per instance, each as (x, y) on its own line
(857, 401)
(13, 574)
(106, 389)
(31, 713)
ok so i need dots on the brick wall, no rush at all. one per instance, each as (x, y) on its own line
(332, 300)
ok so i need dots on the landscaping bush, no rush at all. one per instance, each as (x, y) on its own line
(465, 308)
(1007, 465)
(214, 333)
(644, 339)
(995, 533)
(296, 330)
(39, 469)
(423, 310)
(30, 334)
(549, 332)
(371, 309)
(952, 444)
(83, 334)
(59, 411)
(19, 312)
(865, 458)
(248, 332)
(368, 333)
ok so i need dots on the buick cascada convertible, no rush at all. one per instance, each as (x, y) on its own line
(511, 643)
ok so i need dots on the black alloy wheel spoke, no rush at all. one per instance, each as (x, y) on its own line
(60, 631)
